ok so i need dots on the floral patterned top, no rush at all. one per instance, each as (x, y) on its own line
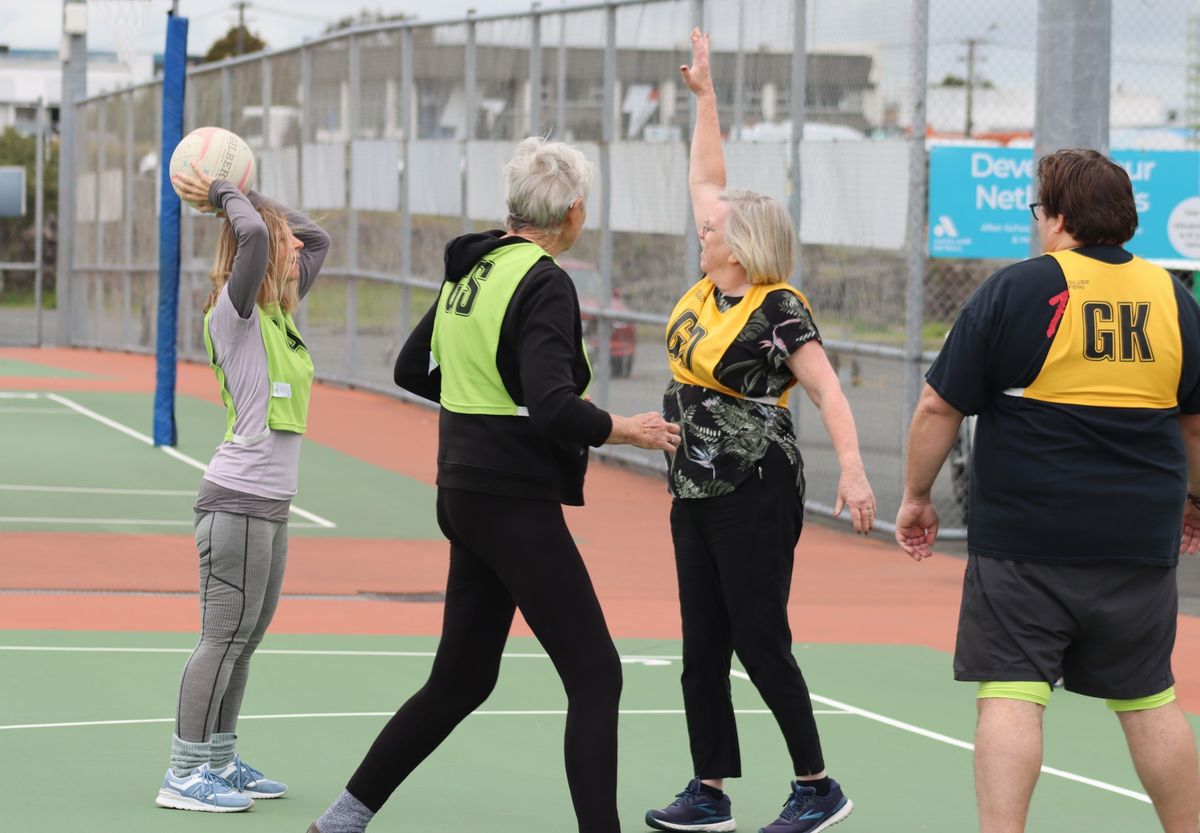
(725, 437)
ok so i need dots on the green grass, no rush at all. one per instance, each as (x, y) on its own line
(378, 308)
(24, 297)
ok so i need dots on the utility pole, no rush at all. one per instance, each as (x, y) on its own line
(240, 43)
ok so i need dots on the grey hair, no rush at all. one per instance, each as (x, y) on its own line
(759, 233)
(541, 182)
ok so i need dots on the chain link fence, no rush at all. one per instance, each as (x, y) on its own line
(393, 138)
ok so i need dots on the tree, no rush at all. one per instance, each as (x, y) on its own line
(365, 17)
(227, 45)
(17, 233)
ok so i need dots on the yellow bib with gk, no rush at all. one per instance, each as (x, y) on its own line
(1116, 340)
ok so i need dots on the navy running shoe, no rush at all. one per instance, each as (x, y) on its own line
(694, 810)
(807, 812)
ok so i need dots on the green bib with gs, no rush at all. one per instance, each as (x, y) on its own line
(466, 331)
(289, 374)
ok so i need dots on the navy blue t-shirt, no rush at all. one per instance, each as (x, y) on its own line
(1058, 481)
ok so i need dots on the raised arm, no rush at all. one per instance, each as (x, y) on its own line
(706, 169)
(316, 245)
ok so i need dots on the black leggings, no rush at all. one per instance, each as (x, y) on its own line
(734, 555)
(507, 553)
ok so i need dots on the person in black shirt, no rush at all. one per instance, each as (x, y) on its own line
(510, 372)
(1083, 366)
(737, 342)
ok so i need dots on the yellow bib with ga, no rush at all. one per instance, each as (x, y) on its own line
(289, 373)
(1116, 340)
(699, 333)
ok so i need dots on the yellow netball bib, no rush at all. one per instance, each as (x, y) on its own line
(699, 333)
(1116, 340)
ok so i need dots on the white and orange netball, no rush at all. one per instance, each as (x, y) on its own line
(218, 152)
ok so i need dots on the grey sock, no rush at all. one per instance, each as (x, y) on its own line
(224, 745)
(346, 815)
(187, 756)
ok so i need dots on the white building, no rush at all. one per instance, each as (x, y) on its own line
(27, 75)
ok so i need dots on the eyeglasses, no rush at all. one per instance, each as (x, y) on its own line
(1033, 206)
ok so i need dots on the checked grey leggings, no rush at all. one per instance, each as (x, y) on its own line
(241, 571)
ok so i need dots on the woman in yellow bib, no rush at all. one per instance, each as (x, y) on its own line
(268, 257)
(737, 342)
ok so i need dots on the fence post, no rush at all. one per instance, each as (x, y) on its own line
(355, 71)
(602, 364)
(468, 120)
(535, 71)
(560, 87)
(914, 295)
(127, 226)
(39, 202)
(74, 87)
(691, 243)
(799, 99)
(407, 83)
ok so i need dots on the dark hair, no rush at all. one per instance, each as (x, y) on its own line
(1091, 193)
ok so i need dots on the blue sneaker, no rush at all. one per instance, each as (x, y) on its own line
(806, 812)
(202, 790)
(249, 781)
(694, 810)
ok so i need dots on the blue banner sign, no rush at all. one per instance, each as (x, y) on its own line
(979, 202)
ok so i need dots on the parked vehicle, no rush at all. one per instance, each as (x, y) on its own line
(622, 344)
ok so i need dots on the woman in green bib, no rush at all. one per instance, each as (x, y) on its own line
(268, 257)
(737, 342)
(502, 351)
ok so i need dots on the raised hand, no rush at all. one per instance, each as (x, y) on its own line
(194, 188)
(698, 77)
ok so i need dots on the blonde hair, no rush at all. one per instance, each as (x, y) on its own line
(277, 288)
(759, 232)
(541, 182)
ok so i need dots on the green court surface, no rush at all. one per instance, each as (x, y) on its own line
(889, 719)
(69, 466)
(16, 368)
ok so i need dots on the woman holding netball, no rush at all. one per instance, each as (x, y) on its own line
(737, 341)
(510, 371)
(268, 257)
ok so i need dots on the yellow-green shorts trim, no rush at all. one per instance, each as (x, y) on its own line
(1030, 692)
(1154, 701)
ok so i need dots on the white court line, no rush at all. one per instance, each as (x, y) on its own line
(320, 715)
(629, 659)
(34, 411)
(171, 452)
(961, 744)
(95, 490)
(6, 394)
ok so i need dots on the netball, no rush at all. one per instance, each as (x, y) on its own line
(219, 153)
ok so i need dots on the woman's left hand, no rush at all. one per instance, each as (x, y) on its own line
(854, 491)
(194, 188)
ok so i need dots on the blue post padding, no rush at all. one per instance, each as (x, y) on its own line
(174, 78)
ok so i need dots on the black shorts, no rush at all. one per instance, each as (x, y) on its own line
(1106, 629)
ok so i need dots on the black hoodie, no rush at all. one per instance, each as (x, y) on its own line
(542, 365)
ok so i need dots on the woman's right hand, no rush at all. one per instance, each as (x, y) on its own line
(698, 77)
(648, 430)
(194, 188)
